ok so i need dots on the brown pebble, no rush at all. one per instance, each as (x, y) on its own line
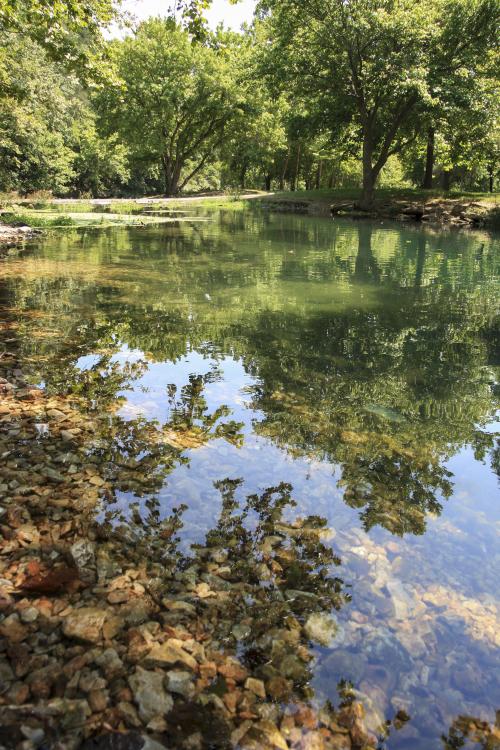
(256, 686)
(231, 700)
(125, 695)
(278, 688)
(117, 596)
(98, 700)
(18, 693)
(208, 669)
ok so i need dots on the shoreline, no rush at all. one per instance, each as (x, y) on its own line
(13, 236)
(453, 213)
(456, 212)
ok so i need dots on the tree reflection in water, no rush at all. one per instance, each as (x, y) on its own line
(388, 382)
(385, 374)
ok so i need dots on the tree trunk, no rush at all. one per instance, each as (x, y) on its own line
(297, 168)
(267, 182)
(368, 191)
(446, 178)
(243, 175)
(429, 160)
(318, 175)
(490, 177)
(284, 171)
(171, 172)
(171, 185)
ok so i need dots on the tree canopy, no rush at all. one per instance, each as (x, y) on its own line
(317, 94)
(375, 63)
(174, 100)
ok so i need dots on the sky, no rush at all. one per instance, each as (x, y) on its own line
(231, 15)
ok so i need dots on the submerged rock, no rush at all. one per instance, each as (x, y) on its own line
(86, 624)
(321, 628)
(149, 694)
(169, 654)
(178, 681)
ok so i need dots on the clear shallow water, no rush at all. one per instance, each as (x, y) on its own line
(359, 364)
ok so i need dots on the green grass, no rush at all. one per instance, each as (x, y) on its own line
(122, 207)
(80, 207)
(385, 194)
(50, 218)
(32, 220)
(235, 204)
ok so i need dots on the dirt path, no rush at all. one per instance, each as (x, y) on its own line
(156, 199)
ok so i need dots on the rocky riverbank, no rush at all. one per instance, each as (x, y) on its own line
(10, 236)
(456, 212)
(110, 638)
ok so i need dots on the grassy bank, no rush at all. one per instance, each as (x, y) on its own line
(385, 194)
(455, 208)
(82, 216)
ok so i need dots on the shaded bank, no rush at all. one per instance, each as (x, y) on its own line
(460, 212)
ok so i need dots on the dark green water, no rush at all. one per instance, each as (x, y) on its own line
(357, 363)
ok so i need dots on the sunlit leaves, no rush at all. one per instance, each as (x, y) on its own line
(174, 101)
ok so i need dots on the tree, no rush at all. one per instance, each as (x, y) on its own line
(35, 119)
(258, 135)
(48, 131)
(376, 63)
(469, 127)
(100, 164)
(69, 30)
(174, 101)
(47, 124)
(254, 145)
(460, 136)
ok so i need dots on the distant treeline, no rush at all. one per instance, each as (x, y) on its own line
(323, 94)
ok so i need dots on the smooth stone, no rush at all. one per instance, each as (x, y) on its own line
(178, 681)
(149, 694)
(85, 624)
(321, 628)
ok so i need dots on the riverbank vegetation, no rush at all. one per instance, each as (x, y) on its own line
(355, 96)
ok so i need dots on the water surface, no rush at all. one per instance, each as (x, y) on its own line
(358, 364)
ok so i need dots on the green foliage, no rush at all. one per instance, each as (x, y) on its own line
(35, 116)
(314, 95)
(375, 64)
(69, 30)
(174, 100)
(16, 219)
(100, 164)
(48, 130)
